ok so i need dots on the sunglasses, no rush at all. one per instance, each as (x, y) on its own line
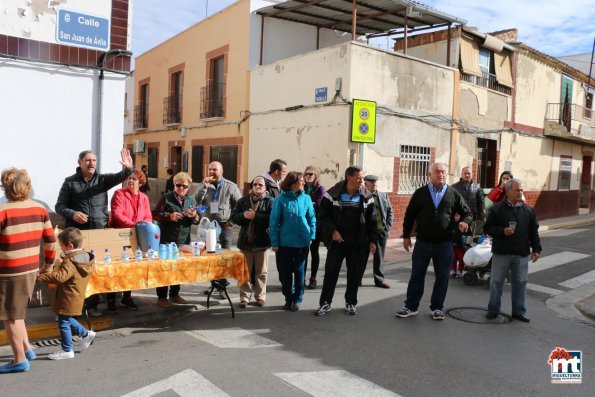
(180, 186)
(257, 184)
(308, 174)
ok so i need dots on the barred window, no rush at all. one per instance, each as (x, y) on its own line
(565, 173)
(413, 169)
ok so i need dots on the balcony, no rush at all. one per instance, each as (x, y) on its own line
(571, 120)
(487, 80)
(141, 113)
(211, 101)
(172, 109)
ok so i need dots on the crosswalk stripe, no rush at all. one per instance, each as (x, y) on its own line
(545, 290)
(579, 280)
(234, 338)
(187, 383)
(337, 383)
(550, 261)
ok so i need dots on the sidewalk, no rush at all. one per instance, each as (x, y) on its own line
(41, 324)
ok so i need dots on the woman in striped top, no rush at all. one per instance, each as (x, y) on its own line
(23, 223)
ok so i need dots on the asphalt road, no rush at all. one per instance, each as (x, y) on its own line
(269, 352)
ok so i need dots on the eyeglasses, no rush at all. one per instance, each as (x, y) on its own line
(257, 184)
(180, 186)
(309, 174)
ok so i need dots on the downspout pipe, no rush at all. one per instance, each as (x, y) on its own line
(101, 65)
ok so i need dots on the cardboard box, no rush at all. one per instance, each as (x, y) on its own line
(113, 239)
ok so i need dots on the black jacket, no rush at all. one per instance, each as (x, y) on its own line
(174, 232)
(89, 197)
(525, 237)
(434, 225)
(473, 196)
(330, 213)
(261, 223)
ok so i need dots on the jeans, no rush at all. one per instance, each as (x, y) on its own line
(291, 265)
(69, 325)
(518, 266)
(353, 255)
(441, 256)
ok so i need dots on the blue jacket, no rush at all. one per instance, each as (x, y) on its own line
(292, 222)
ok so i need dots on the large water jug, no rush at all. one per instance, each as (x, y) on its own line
(148, 235)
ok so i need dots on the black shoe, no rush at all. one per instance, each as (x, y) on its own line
(287, 306)
(295, 307)
(521, 317)
(129, 304)
(312, 284)
(491, 316)
(112, 309)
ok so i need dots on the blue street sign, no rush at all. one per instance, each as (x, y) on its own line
(82, 30)
(320, 94)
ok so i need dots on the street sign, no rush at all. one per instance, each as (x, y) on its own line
(363, 121)
(320, 94)
(82, 30)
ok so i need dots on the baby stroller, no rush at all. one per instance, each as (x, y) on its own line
(478, 262)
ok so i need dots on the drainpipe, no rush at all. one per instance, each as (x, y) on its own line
(101, 65)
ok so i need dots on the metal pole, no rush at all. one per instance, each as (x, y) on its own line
(207, 9)
(354, 20)
(591, 66)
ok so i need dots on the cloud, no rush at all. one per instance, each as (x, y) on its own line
(554, 27)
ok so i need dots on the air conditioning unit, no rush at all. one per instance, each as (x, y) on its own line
(138, 147)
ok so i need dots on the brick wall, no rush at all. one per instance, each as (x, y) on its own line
(553, 204)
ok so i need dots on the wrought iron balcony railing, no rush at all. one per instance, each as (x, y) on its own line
(141, 113)
(487, 80)
(172, 109)
(211, 101)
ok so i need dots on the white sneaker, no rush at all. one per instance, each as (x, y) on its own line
(87, 340)
(61, 355)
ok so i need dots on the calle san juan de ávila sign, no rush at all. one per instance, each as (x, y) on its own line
(82, 30)
(363, 121)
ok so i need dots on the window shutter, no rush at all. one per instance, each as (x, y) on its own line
(503, 68)
(470, 56)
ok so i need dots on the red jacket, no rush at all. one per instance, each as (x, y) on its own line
(497, 195)
(126, 212)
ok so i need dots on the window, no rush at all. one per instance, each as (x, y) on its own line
(153, 161)
(484, 60)
(212, 96)
(413, 168)
(141, 112)
(197, 163)
(228, 157)
(588, 112)
(172, 104)
(565, 172)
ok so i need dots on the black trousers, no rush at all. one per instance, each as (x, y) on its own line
(353, 254)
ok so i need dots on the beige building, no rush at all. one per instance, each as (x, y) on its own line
(518, 110)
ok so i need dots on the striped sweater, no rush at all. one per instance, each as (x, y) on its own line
(22, 225)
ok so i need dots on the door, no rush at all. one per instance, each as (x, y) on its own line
(486, 163)
(585, 192)
(566, 103)
(175, 158)
(228, 157)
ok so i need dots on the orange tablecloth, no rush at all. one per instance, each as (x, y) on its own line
(132, 275)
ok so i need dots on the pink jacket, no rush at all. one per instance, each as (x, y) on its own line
(125, 212)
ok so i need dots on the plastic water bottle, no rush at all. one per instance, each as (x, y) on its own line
(170, 251)
(138, 254)
(125, 255)
(175, 251)
(107, 257)
(150, 254)
(218, 249)
(162, 252)
(196, 249)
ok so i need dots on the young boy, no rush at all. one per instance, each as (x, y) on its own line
(71, 277)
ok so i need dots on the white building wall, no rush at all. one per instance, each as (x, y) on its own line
(321, 134)
(53, 118)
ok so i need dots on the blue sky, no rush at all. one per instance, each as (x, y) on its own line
(554, 27)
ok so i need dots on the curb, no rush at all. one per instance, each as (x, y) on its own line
(564, 225)
(586, 307)
(125, 318)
